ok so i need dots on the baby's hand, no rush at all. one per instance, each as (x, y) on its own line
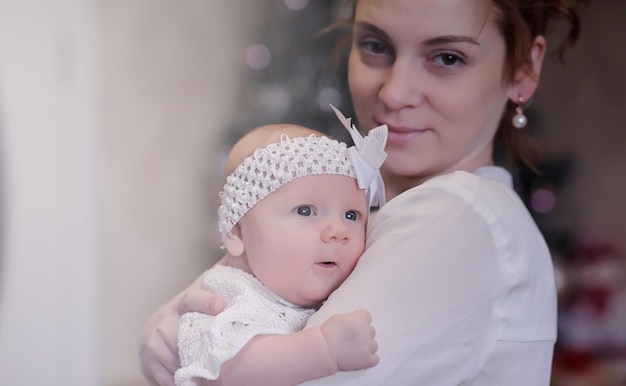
(350, 339)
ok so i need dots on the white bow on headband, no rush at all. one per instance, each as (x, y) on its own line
(366, 156)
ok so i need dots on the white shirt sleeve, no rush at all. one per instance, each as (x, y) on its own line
(433, 278)
(429, 284)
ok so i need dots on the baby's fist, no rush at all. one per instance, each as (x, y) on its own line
(350, 338)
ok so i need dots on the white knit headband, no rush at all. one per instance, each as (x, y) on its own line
(269, 168)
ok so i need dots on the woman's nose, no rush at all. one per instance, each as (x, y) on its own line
(400, 87)
(335, 232)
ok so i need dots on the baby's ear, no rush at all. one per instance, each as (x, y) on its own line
(234, 241)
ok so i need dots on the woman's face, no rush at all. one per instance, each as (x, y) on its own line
(432, 71)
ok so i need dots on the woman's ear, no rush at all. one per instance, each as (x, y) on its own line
(527, 79)
(234, 242)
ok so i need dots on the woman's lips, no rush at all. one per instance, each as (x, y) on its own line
(401, 135)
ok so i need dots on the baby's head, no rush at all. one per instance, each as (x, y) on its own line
(260, 138)
(292, 212)
(270, 156)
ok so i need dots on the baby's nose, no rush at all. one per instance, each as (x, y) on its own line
(335, 232)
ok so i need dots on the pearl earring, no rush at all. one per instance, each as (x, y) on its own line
(519, 119)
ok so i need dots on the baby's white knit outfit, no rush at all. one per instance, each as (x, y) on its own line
(205, 341)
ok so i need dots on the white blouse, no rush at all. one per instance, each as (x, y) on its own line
(460, 285)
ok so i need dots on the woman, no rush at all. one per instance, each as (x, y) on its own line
(456, 275)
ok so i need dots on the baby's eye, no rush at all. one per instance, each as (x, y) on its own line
(352, 215)
(305, 210)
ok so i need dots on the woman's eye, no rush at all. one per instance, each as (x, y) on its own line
(374, 47)
(304, 210)
(377, 48)
(352, 215)
(449, 59)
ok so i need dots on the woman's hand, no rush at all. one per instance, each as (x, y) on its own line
(158, 349)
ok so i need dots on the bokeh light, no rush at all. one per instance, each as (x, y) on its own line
(543, 201)
(272, 98)
(258, 56)
(296, 5)
(328, 96)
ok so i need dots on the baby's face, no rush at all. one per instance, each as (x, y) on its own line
(304, 239)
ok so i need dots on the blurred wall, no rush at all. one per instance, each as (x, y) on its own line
(171, 78)
(50, 125)
(112, 114)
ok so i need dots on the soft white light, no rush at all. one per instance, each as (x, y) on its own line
(273, 98)
(258, 56)
(296, 5)
(328, 96)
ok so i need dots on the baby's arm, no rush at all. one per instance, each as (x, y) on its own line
(344, 342)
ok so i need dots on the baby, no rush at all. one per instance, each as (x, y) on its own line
(292, 217)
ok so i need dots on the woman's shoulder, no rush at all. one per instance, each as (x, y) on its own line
(483, 180)
(488, 193)
(489, 184)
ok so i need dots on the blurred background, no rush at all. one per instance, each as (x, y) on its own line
(115, 117)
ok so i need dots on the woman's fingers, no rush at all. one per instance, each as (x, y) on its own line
(159, 360)
(163, 377)
(200, 300)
